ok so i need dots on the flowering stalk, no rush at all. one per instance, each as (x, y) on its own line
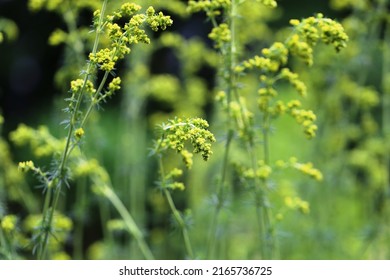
(386, 118)
(271, 68)
(174, 136)
(59, 178)
(224, 36)
(129, 221)
(176, 214)
(105, 60)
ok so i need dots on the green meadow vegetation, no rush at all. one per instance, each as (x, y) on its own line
(209, 129)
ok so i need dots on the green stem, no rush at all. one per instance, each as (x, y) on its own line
(262, 210)
(265, 131)
(47, 224)
(230, 52)
(386, 94)
(77, 45)
(129, 222)
(80, 208)
(386, 124)
(221, 193)
(181, 223)
(95, 99)
(45, 212)
(105, 216)
(48, 212)
(176, 213)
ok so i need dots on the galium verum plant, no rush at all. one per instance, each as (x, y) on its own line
(175, 135)
(243, 120)
(122, 28)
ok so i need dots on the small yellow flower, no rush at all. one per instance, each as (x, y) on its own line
(294, 22)
(25, 165)
(8, 223)
(79, 133)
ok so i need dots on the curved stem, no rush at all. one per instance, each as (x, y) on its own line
(129, 221)
(220, 193)
(181, 223)
(51, 205)
(175, 212)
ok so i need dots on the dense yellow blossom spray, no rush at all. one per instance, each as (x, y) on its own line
(85, 97)
(271, 67)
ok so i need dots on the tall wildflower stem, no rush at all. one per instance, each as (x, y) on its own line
(71, 22)
(386, 110)
(59, 177)
(266, 245)
(386, 83)
(176, 214)
(229, 52)
(129, 222)
(95, 100)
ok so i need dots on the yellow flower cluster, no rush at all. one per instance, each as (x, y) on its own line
(170, 180)
(294, 80)
(114, 86)
(78, 85)
(277, 52)
(8, 223)
(40, 140)
(297, 203)
(306, 168)
(220, 35)
(211, 7)
(311, 30)
(105, 58)
(306, 118)
(121, 37)
(25, 166)
(260, 63)
(263, 171)
(61, 5)
(269, 3)
(79, 133)
(177, 132)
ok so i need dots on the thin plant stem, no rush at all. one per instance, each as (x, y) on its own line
(229, 52)
(386, 124)
(220, 193)
(77, 46)
(95, 99)
(129, 222)
(80, 207)
(50, 206)
(176, 214)
(386, 96)
(181, 224)
(104, 211)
